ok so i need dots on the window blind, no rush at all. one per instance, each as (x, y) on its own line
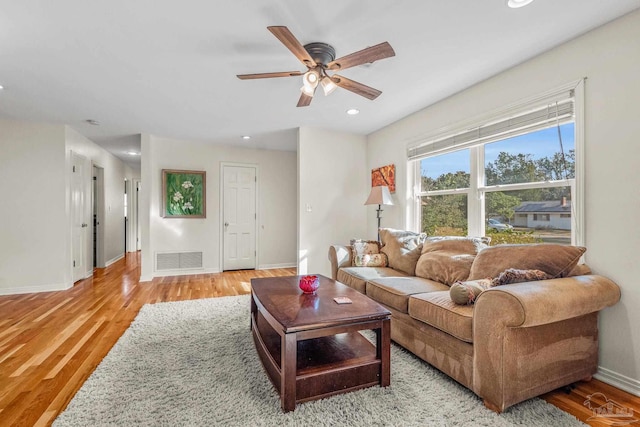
(528, 119)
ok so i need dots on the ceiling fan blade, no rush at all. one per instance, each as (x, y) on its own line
(304, 100)
(355, 87)
(289, 40)
(370, 54)
(269, 75)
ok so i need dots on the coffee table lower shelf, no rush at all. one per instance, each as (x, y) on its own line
(325, 366)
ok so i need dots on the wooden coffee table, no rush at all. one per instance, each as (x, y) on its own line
(310, 346)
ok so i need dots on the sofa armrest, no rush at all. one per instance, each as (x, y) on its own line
(339, 256)
(548, 301)
(533, 337)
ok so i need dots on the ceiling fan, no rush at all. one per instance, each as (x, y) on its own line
(319, 58)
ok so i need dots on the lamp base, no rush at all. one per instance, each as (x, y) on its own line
(379, 215)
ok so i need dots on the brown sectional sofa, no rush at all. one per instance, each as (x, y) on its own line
(516, 342)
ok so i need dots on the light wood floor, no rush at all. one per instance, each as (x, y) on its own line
(51, 342)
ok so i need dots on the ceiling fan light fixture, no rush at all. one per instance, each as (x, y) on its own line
(514, 4)
(307, 90)
(328, 86)
(311, 78)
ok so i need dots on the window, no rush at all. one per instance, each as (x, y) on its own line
(512, 176)
(445, 179)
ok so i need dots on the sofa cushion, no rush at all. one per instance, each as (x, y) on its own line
(395, 291)
(555, 260)
(481, 242)
(448, 260)
(579, 270)
(356, 277)
(437, 309)
(403, 248)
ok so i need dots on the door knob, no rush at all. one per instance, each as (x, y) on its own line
(84, 225)
(226, 224)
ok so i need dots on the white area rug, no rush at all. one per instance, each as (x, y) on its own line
(193, 363)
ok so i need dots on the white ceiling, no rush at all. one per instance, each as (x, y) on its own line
(168, 67)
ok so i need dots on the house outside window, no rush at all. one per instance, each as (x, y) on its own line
(512, 178)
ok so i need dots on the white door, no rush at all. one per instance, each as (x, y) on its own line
(78, 216)
(239, 217)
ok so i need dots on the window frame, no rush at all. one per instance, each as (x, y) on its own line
(476, 191)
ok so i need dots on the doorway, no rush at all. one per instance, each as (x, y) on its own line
(131, 226)
(136, 214)
(126, 213)
(98, 217)
(239, 216)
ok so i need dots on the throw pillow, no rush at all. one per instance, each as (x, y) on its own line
(361, 246)
(555, 260)
(513, 275)
(466, 293)
(448, 259)
(366, 253)
(402, 248)
(370, 260)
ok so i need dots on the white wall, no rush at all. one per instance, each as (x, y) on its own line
(610, 58)
(32, 217)
(277, 202)
(115, 172)
(147, 164)
(333, 186)
(35, 230)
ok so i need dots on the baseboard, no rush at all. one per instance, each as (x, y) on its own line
(112, 260)
(146, 279)
(617, 380)
(165, 273)
(35, 289)
(274, 266)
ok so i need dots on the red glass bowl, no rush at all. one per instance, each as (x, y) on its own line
(309, 284)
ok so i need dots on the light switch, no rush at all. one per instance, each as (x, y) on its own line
(309, 208)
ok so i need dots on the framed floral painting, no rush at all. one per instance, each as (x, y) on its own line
(184, 194)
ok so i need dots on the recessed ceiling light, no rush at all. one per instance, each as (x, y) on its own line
(246, 137)
(352, 111)
(514, 4)
(93, 122)
(1, 87)
(133, 153)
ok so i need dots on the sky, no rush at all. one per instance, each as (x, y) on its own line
(543, 143)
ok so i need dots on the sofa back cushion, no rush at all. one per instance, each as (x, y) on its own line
(402, 248)
(555, 260)
(448, 260)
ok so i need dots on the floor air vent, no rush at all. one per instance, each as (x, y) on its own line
(178, 261)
